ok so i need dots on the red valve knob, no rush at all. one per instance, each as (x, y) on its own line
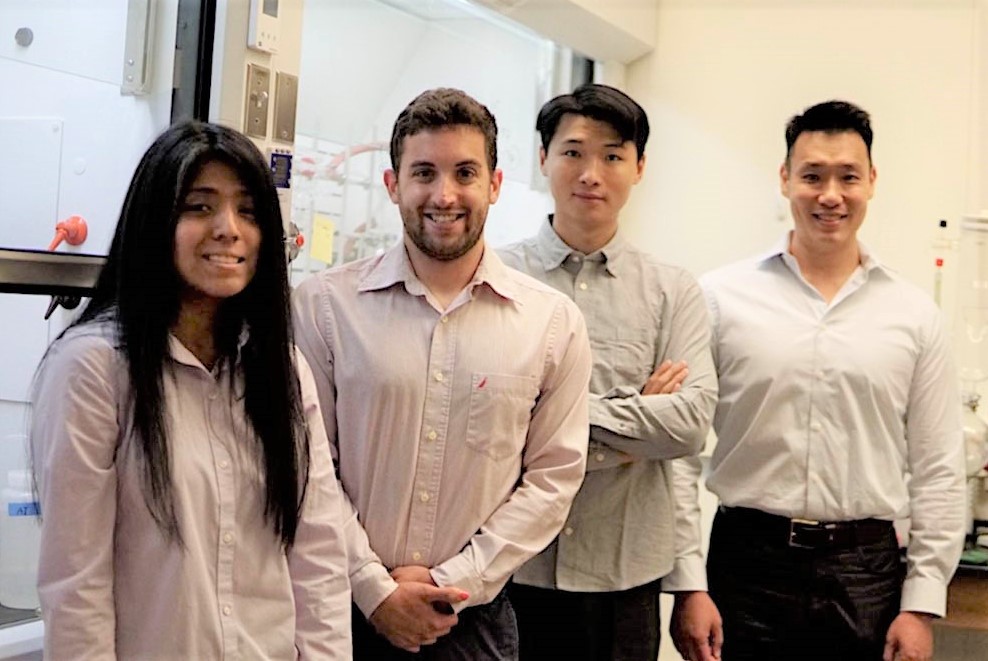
(72, 230)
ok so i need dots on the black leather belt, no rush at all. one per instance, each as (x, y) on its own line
(807, 534)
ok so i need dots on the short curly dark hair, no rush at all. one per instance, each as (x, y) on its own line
(441, 108)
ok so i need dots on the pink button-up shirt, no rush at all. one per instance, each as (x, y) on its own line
(112, 586)
(461, 434)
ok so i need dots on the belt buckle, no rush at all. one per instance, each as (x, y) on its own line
(809, 534)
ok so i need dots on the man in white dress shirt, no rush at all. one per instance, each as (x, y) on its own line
(838, 414)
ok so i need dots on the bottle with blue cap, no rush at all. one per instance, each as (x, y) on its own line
(20, 542)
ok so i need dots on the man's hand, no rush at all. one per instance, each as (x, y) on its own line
(413, 615)
(910, 638)
(667, 378)
(696, 627)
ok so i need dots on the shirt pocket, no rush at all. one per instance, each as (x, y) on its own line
(622, 361)
(500, 411)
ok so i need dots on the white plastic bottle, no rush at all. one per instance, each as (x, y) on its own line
(20, 542)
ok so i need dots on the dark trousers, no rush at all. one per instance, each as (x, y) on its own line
(591, 626)
(484, 633)
(822, 601)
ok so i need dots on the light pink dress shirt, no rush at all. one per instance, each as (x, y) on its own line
(461, 434)
(111, 586)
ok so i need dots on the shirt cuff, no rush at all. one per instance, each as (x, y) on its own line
(371, 585)
(458, 572)
(687, 575)
(924, 595)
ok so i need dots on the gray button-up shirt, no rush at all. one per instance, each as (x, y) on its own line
(622, 528)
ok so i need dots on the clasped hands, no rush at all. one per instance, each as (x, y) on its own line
(418, 612)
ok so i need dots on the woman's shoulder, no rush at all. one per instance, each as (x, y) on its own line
(86, 346)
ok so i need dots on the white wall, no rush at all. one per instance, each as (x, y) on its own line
(725, 77)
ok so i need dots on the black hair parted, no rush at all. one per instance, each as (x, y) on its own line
(602, 103)
(829, 117)
(139, 290)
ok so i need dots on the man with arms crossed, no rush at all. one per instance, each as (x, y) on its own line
(594, 592)
(454, 394)
(838, 413)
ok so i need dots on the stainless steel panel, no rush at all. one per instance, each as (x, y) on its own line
(285, 98)
(257, 101)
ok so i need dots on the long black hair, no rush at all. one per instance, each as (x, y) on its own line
(139, 290)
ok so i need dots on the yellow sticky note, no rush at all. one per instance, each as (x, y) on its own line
(322, 238)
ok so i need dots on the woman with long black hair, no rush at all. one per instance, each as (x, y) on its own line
(188, 499)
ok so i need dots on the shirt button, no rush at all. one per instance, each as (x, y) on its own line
(567, 531)
(583, 286)
(416, 556)
(424, 496)
(574, 258)
(227, 537)
(444, 319)
(212, 396)
(227, 609)
(432, 435)
(815, 426)
(438, 376)
(599, 456)
(224, 464)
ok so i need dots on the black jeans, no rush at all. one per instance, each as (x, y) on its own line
(781, 602)
(588, 626)
(487, 632)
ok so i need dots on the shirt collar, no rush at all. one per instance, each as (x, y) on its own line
(869, 261)
(395, 267)
(181, 354)
(554, 251)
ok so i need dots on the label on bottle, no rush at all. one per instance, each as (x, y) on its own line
(23, 509)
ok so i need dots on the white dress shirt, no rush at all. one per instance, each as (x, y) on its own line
(461, 434)
(111, 585)
(842, 410)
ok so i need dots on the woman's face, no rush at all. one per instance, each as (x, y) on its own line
(217, 238)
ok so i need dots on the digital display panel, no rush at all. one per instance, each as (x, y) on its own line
(281, 170)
